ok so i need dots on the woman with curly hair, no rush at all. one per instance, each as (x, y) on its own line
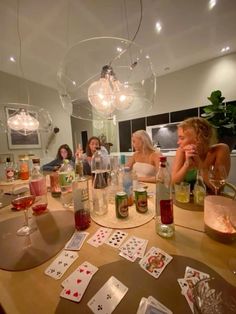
(196, 138)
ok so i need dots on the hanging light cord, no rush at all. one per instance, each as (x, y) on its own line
(20, 51)
(140, 20)
(135, 35)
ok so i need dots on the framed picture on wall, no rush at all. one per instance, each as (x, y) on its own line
(19, 141)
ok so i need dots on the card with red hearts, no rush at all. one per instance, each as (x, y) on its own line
(76, 284)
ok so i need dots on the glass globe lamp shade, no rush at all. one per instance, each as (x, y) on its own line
(22, 120)
(25, 119)
(127, 92)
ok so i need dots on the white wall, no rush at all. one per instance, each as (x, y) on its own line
(190, 87)
(13, 89)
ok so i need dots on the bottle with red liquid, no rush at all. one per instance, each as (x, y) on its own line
(80, 193)
(38, 188)
(164, 202)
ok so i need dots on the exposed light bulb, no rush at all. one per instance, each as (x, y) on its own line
(108, 93)
(22, 120)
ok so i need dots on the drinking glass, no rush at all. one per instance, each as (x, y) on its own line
(24, 203)
(211, 296)
(217, 177)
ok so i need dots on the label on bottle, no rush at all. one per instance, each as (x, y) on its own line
(66, 178)
(166, 209)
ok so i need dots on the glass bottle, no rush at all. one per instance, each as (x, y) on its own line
(38, 188)
(79, 169)
(99, 166)
(164, 201)
(24, 169)
(54, 184)
(66, 177)
(80, 193)
(9, 169)
(128, 185)
(199, 190)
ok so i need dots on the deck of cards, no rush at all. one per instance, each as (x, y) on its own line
(152, 306)
(155, 261)
(108, 296)
(76, 241)
(75, 285)
(191, 277)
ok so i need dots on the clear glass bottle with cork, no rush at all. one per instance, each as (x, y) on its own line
(164, 201)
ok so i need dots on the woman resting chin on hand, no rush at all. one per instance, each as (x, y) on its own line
(195, 138)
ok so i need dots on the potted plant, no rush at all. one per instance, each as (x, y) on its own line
(222, 116)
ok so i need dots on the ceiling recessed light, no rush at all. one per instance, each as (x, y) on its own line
(211, 4)
(74, 83)
(158, 27)
(147, 57)
(225, 49)
(12, 59)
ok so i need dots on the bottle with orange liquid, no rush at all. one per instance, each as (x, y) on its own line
(24, 169)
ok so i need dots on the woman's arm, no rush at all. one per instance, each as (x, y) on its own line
(180, 166)
(130, 161)
(51, 165)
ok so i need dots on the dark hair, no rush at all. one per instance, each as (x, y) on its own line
(88, 150)
(67, 148)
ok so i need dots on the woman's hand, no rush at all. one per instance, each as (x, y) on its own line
(192, 158)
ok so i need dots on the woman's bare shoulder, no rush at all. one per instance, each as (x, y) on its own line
(220, 147)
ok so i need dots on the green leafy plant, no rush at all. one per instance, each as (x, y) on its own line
(221, 116)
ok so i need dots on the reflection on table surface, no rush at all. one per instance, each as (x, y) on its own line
(31, 291)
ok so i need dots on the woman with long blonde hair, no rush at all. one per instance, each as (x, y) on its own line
(145, 160)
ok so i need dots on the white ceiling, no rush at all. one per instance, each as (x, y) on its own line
(191, 32)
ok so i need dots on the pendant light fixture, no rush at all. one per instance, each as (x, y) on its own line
(103, 77)
(22, 120)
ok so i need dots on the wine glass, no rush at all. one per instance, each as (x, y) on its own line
(232, 260)
(24, 203)
(217, 177)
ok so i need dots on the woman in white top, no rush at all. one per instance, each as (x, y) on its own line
(145, 160)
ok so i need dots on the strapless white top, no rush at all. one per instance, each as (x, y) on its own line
(144, 170)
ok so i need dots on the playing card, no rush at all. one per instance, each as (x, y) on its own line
(116, 238)
(129, 258)
(99, 237)
(84, 270)
(187, 283)
(141, 250)
(155, 261)
(60, 265)
(108, 297)
(76, 284)
(192, 272)
(76, 241)
(131, 246)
